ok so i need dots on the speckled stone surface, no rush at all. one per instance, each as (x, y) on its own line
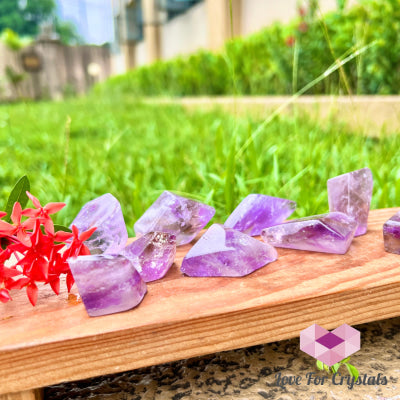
(249, 374)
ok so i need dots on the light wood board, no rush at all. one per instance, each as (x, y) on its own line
(182, 317)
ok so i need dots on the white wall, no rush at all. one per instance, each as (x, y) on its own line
(118, 64)
(140, 54)
(186, 33)
(256, 14)
(189, 32)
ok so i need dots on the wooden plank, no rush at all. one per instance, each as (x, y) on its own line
(183, 317)
(36, 394)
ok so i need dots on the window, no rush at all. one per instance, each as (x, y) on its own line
(176, 7)
(134, 22)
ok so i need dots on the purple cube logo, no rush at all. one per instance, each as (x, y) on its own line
(330, 347)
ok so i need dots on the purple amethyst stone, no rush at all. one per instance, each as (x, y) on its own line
(326, 233)
(258, 211)
(351, 194)
(391, 234)
(105, 213)
(107, 284)
(223, 251)
(152, 254)
(176, 215)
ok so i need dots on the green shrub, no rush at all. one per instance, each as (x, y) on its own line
(13, 41)
(283, 58)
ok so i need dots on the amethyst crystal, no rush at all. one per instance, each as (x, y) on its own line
(107, 284)
(327, 233)
(155, 252)
(351, 194)
(258, 211)
(105, 213)
(391, 234)
(226, 252)
(177, 215)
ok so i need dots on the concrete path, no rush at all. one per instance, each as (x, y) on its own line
(370, 115)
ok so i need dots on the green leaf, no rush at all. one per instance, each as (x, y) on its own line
(18, 194)
(352, 370)
(229, 187)
(320, 365)
(345, 360)
(61, 228)
(326, 367)
(335, 367)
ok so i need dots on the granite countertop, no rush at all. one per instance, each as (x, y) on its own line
(250, 373)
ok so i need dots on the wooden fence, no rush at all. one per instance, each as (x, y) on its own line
(64, 70)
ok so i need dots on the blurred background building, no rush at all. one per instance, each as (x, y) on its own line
(147, 30)
(77, 43)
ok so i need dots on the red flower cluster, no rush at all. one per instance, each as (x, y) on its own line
(32, 252)
(290, 40)
(305, 15)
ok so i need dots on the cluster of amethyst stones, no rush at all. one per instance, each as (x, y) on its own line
(114, 277)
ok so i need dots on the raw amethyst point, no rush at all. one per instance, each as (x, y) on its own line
(226, 252)
(176, 215)
(105, 213)
(155, 252)
(107, 284)
(326, 233)
(258, 211)
(351, 194)
(391, 234)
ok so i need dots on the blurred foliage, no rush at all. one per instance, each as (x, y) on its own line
(67, 32)
(283, 58)
(13, 77)
(13, 41)
(23, 18)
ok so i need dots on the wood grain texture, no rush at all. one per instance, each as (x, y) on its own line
(35, 394)
(182, 317)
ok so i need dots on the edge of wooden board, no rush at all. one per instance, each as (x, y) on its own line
(97, 346)
(75, 359)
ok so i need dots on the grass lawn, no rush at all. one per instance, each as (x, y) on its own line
(136, 151)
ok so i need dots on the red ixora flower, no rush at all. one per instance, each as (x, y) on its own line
(77, 248)
(4, 295)
(35, 253)
(20, 230)
(43, 213)
(290, 40)
(302, 11)
(303, 27)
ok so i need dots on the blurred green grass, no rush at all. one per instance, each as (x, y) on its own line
(135, 151)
